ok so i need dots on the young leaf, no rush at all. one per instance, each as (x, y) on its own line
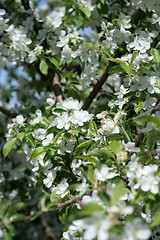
(147, 118)
(6, 235)
(14, 208)
(115, 60)
(134, 55)
(156, 55)
(20, 136)
(115, 146)
(101, 154)
(85, 10)
(63, 215)
(43, 68)
(8, 146)
(37, 151)
(93, 128)
(54, 62)
(86, 158)
(17, 217)
(118, 192)
(90, 174)
(84, 145)
(138, 106)
(127, 68)
(90, 208)
(156, 219)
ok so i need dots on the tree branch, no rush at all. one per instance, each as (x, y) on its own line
(57, 88)
(73, 200)
(48, 230)
(67, 17)
(8, 113)
(25, 4)
(97, 87)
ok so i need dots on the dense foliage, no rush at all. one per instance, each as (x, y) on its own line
(80, 148)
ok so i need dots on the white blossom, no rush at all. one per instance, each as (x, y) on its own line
(50, 176)
(48, 139)
(104, 173)
(136, 230)
(61, 188)
(80, 116)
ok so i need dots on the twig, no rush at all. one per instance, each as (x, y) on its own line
(8, 113)
(57, 88)
(67, 17)
(140, 134)
(48, 230)
(73, 200)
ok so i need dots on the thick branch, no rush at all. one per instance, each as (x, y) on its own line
(8, 113)
(97, 87)
(137, 16)
(57, 88)
(25, 4)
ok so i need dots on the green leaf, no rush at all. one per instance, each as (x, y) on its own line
(90, 208)
(63, 215)
(101, 154)
(134, 55)
(6, 235)
(20, 136)
(115, 60)
(37, 151)
(156, 219)
(53, 196)
(125, 134)
(35, 215)
(156, 55)
(43, 68)
(116, 69)
(85, 10)
(115, 136)
(14, 208)
(31, 140)
(147, 118)
(86, 158)
(57, 136)
(105, 198)
(150, 140)
(138, 106)
(123, 65)
(115, 146)
(127, 68)
(83, 145)
(8, 146)
(75, 131)
(17, 217)
(90, 174)
(54, 62)
(118, 192)
(93, 128)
